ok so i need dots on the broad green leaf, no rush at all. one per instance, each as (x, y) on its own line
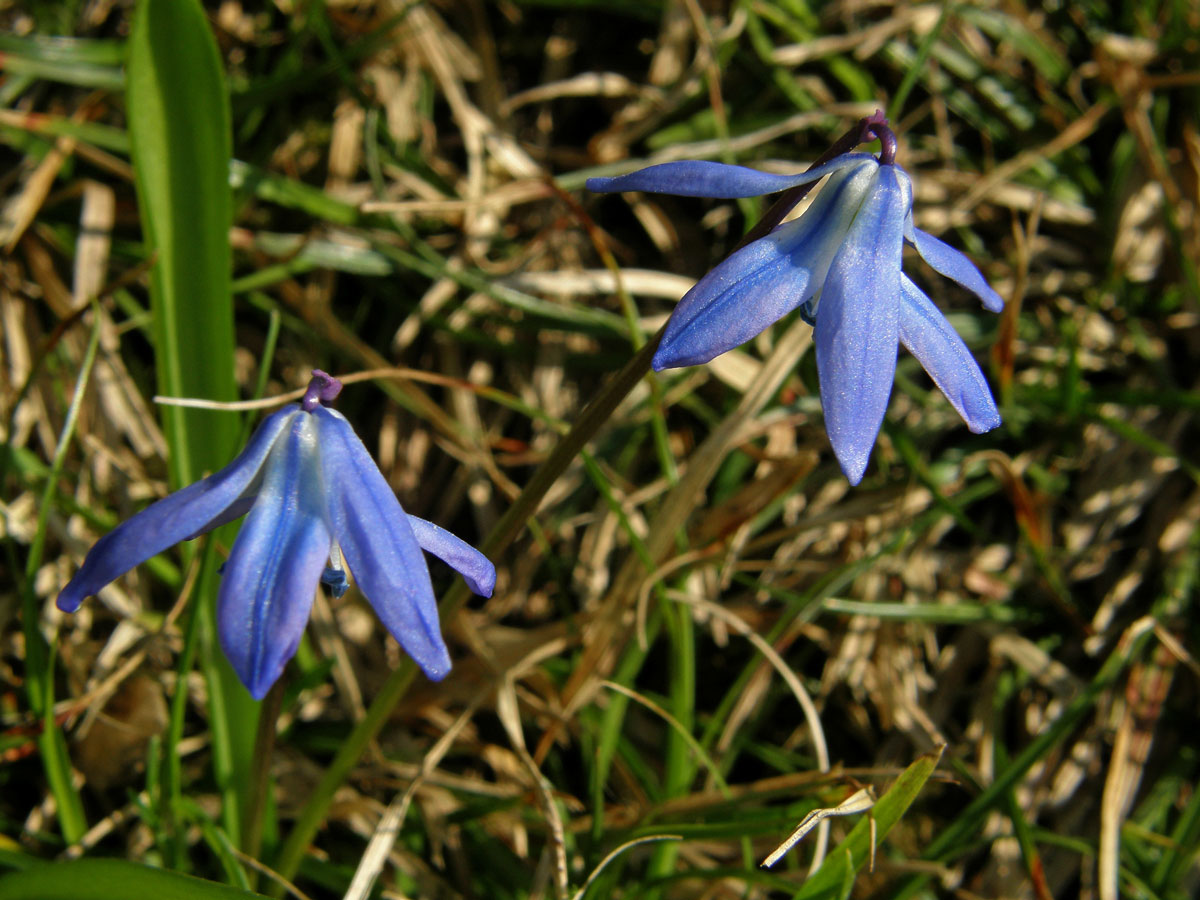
(179, 134)
(179, 131)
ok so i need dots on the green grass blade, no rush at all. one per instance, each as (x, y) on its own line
(94, 64)
(853, 852)
(180, 139)
(40, 660)
(896, 106)
(310, 818)
(110, 879)
(179, 133)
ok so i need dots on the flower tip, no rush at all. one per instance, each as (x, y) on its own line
(853, 461)
(598, 185)
(259, 689)
(983, 424)
(992, 301)
(438, 669)
(853, 473)
(484, 583)
(256, 675)
(68, 600)
(679, 353)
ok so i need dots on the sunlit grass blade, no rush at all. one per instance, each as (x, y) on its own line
(855, 850)
(180, 138)
(85, 63)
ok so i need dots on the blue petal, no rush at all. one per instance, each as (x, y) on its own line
(474, 567)
(701, 178)
(858, 328)
(927, 335)
(234, 510)
(765, 280)
(947, 261)
(174, 518)
(379, 546)
(268, 586)
(742, 296)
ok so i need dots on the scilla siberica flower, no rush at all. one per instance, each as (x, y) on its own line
(311, 490)
(840, 263)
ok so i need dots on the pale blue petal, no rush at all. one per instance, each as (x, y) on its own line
(745, 294)
(857, 328)
(927, 335)
(472, 565)
(765, 280)
(269, 581)
(378, 545)
(234, 510)
(701, 178)
(174, 518)
(947, 261)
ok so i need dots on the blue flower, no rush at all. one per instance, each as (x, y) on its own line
(311, 490)
(840, 264)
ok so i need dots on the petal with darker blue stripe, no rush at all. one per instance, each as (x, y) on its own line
(954, 265)
(927, 335)
(766, 279)
(474, 567)
(179, 516)
(379, 546)
(857, 330)
(271, 577)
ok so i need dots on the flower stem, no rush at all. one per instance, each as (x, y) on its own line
(260, 773)
(876, 125)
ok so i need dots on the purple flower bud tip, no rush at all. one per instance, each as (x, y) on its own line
(322, 390)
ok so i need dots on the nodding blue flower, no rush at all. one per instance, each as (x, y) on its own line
(312, 493)
(840, 264)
